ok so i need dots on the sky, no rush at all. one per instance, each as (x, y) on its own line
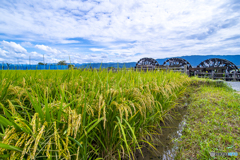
(92, 31)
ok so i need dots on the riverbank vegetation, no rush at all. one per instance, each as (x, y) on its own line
(212, 123)
(77, 114)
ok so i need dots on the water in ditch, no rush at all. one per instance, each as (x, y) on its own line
(165, 142)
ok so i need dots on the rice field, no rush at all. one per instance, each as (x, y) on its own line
(81, 114)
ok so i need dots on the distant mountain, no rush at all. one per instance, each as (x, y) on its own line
(193, 60)
(106, 65)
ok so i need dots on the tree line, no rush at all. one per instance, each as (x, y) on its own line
(59, 63)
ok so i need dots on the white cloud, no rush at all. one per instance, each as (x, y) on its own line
(96, 49)
(26, 44)
(54, 55)
(48, 49)
(3, 53)
(15, 53)
(13, 47)
(153, 28)
(93, 55)
(104, 56)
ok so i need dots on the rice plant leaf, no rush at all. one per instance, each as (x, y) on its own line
(92, 126)
(134, 136)
(68, 104)
(4, 156)
(94, 149)
(75, 141)
(5, 122)
(149, 144)
(48, 118)
(9, 147)
(124, 135)
(37, 106)
(6, 111)
(61, 105)
(100, 141)
(4, 92)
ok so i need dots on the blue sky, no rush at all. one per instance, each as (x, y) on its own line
(116, 30)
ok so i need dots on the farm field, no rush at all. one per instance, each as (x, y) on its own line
(79, 114)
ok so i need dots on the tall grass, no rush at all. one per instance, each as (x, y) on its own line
(80, 114)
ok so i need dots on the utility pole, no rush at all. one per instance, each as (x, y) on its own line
(29, 62)
(43, 61)
(18, 62)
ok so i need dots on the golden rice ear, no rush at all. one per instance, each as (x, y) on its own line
(132, 105)
(77, 153)
(39, 136)
(33, 123)
(138, 106)
(100, 105)
(27, 147)
(78, 124)
(48, 147)
(23, 82)
(128, 106)
(104, 115)
(10, 134)
(22, 139)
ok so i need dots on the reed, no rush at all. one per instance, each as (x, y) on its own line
(82, 114)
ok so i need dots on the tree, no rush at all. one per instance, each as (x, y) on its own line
(62, 63)
(70, 66)
(40, 63)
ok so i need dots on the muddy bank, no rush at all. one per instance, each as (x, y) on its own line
(164, 143)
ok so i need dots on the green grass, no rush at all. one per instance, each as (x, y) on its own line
(83, 114)
(213, 122)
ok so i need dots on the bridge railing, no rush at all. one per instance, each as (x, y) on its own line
(214, 73)
(148, 68)
(225, 76)
(166, 68)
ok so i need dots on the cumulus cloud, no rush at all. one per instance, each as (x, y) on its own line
(48, 49)
(13, 47)
(3, 53)
(14, 53)
(154, 28)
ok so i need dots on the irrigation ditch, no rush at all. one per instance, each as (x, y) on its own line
(165, 143)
